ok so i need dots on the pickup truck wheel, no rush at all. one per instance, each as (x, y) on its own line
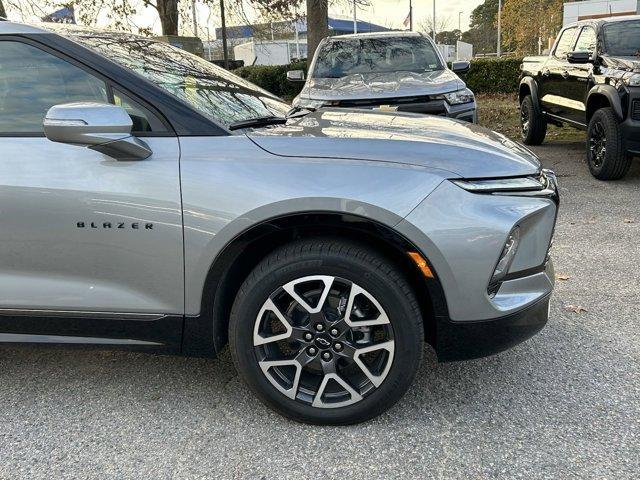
(533, 125)
(606, 152)
(326, 332)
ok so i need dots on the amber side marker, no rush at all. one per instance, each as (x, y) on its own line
(422, 264)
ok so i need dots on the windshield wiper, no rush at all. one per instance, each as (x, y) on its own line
(258, 122)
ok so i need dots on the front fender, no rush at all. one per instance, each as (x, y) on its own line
(611, 94)
(531, 83)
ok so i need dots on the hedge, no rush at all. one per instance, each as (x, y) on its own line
(487, 75)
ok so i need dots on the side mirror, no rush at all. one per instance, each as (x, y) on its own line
(580, 57)
(99, 126)
(295, 76)
(460, 67)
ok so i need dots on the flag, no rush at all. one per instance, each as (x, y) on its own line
(407, 21)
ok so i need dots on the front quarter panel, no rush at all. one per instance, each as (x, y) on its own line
(229, 184)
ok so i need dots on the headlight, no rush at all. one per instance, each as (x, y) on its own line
(520, 184)
(459, 97)
(506, 259)
(306, 103)
(633, 80)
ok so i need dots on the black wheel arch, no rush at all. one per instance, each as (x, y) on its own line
(602, 96)
(529, 86)
(207, 333)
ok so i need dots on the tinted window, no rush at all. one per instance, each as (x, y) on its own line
(339, 58)
(211, 90)
(565, 44)
(586, 41)
(32, 81)
(622, 39)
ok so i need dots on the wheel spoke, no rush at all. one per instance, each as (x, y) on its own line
(375, 379)
(318, 402)
(258, 339)
(291, 391)
(381, 319)
(326, 280)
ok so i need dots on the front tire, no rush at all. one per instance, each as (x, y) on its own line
(326, 332)
(606, 150)
(533, 125)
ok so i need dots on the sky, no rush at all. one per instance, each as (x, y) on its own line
(391, 13)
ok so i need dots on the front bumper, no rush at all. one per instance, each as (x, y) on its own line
(631, 126)
(467, 340)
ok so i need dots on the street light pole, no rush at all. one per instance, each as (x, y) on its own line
(195, 20)
(355, 16)
(225, 53)
(499, 47)
(434, 20)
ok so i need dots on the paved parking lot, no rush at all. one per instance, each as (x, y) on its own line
(565, 404)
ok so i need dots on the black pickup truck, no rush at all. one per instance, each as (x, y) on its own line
(590, 80)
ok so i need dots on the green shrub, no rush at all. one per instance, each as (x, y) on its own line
(493, 75)
(273, 78)
(487, 75)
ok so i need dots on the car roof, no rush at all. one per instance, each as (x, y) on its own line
(8, 28)
(396, 33)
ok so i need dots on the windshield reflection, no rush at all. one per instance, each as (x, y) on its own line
(216, 93)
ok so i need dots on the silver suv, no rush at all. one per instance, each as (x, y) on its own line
(391, 71)
(151, 200)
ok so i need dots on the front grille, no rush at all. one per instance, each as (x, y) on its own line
(422, 104)
(635, 110)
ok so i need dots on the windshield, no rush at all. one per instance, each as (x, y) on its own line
(216, 93)
(622, 39)
(339, 58)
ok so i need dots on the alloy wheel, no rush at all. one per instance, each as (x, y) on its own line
(598, 144)
(323, 341)
(525, 120)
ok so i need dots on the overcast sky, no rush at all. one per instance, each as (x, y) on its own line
(393, 12)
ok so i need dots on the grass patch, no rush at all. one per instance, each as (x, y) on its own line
(500, 112)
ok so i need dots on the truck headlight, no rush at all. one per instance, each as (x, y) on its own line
(506, 259)
(461, 96)
(633, 80)
(311, 104)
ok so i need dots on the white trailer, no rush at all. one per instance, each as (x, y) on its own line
(271, 52)
(590, 9)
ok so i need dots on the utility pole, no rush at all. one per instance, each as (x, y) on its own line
(195, 20)
(225, 53)
(459, 26)
(355, 16)
(499, 47)
(434, 20)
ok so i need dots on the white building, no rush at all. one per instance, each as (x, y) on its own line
(589, 9)
(270, 52)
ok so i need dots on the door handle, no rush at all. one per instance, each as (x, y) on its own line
(565, 74)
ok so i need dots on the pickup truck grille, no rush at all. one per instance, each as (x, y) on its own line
(635, 110)
(422, 104)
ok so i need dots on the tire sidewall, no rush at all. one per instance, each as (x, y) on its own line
(527, 105)
(408, 339)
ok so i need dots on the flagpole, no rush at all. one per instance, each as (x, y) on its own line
(410, 16)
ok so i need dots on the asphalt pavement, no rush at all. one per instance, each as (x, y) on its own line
(565, 404)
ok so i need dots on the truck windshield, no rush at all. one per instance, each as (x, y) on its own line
(339, 58)
(214, 92)
(622, 39)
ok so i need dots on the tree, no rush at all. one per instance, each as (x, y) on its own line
(525, 22)
(483, 32)
(425, 25)
(3, 12)
(448, 37)
(317, 24)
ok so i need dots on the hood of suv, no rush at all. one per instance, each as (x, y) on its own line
(459, 148)
(380, 85)
(626, 64)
